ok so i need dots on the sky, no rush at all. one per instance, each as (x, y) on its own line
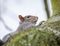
(10, 9)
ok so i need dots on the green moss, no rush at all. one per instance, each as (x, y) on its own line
(53, 22)
(56, 6)
(55, 25)
(33, 38)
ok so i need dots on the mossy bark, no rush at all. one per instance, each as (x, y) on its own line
(56, 6)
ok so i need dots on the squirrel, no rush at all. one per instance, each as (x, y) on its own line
(28, 21)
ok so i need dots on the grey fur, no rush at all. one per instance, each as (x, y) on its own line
(23, 26)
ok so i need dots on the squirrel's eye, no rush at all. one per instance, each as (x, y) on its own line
(28, 16)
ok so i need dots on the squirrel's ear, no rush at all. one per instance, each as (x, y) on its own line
(21, 17)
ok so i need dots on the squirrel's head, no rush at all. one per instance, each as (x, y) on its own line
(28, 18)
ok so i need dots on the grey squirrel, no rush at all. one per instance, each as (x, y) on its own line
(28, 21)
